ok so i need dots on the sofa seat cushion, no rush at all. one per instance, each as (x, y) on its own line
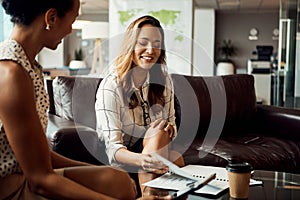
(85, 140)
(263, 153)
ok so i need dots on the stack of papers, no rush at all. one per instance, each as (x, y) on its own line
(181, 178)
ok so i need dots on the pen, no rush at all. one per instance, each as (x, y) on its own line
(191, 186)
(206, 181)
(251, 140)
(292, 187)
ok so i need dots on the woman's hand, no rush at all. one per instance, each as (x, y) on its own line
(169, 129)
(155, 193)
(153, 197)
(150, 163)
(157, 126)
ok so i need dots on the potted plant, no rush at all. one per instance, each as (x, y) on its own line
(225, 65)
(78, 61)
(226, 50)
(78, 54)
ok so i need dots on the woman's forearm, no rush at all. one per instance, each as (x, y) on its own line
(128, 158)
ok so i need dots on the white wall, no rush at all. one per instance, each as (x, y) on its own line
(204, 42)
(6, 25)
(1, 23)
(203, 46)
(177, 27)
(52, 59)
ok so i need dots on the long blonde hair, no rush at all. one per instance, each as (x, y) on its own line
(124, 64)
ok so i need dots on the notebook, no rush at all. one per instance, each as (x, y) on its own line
(179, 178)
(219, 184)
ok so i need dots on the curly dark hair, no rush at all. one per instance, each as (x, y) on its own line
(25, 11)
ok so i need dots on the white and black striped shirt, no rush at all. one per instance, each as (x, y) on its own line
(121, 127)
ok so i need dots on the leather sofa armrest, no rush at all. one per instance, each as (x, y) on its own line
(55, 123)
(79, 143)
(279, 121)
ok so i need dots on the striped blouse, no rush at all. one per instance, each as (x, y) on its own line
(121, 127)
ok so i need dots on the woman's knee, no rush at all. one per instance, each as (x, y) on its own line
(111, 173)
(160, 139)
(111, 181)
(120, 182)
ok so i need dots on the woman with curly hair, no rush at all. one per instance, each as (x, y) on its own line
(28, 169)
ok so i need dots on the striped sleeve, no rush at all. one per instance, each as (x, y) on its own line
(108, 115)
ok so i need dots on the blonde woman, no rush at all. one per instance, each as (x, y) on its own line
(28, 169)
(135, 103)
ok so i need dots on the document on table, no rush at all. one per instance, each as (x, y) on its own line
(176, 179)
(215, 186)
(170, 181)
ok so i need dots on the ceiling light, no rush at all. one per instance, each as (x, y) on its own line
(95, 30)
(79, 24)
(229, 2)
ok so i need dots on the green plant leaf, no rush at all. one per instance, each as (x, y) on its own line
(226, 50)
(78, 54)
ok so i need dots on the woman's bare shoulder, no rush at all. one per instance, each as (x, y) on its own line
(14, 79)
(12, 72)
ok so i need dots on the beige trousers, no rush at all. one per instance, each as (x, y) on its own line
(15, 187)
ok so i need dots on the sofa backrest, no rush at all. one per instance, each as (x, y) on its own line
(202, 104)
(74, 99)
(222, 104)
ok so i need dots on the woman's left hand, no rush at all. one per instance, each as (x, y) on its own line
(159, 124)
(155, 127)
(152, 164)
(162, 125)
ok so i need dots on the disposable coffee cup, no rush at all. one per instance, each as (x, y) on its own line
(239, 178)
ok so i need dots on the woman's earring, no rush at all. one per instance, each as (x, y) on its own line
(48, 27)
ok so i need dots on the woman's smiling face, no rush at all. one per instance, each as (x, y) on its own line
(147, 49)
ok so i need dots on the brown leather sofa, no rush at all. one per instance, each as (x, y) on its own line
(218, 122)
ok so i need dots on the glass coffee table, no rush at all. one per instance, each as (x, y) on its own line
(276, 185)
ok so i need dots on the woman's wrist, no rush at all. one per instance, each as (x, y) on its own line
(140, 160)
(170, 129)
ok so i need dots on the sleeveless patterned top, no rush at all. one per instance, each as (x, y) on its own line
(11, 50)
